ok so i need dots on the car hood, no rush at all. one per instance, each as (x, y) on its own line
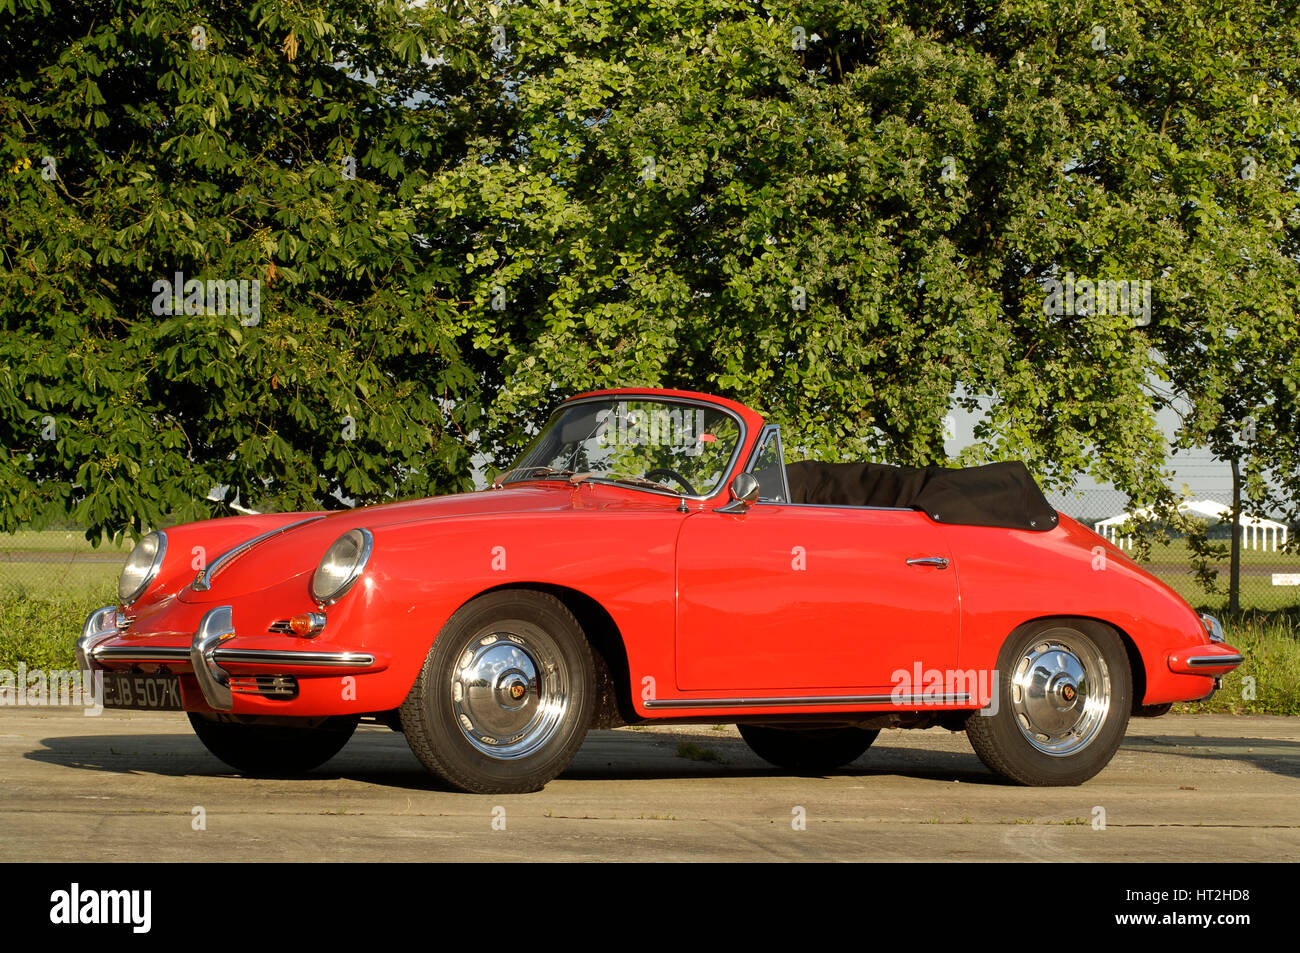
(302, 540)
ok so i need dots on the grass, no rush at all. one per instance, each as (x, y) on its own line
(1176, 552)
(54, 579)
(57, 563)
(1171, 563)
(694, 752)
(1271, 672)
(1257, 592)
(41, 630)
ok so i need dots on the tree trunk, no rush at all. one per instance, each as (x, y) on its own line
(1234, 557)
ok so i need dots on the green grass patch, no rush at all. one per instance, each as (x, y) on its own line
(1257, 592)
(1268, 682)
(53, 580)
(1176, 552)
(52, 564)
(42, 631)
(694, 752)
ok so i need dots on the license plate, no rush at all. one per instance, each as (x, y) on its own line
(148, 692)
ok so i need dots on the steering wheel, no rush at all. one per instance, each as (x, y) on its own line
(676, 476)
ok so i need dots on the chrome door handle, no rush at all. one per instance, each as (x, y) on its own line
(936, 561)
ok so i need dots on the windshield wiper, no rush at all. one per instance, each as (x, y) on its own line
(509, 475)
(635, 481)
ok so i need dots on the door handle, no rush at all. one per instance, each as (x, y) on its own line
(937, 561)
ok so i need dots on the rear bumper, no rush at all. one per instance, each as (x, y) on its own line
(210, 657)
(1212, 658)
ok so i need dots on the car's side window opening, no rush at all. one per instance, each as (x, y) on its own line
(793, 485)
(768, 467)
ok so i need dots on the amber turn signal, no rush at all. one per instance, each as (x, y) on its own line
(307, 624)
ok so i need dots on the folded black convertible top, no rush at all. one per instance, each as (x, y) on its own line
(996, 494)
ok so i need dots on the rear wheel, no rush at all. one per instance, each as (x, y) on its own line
(273, 746)
(1063, 702)
(807, 749)
(505, 696)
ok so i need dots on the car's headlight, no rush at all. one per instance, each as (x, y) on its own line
(141, 567)
(341, 566)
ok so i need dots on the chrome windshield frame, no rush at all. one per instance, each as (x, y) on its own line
(727, 473)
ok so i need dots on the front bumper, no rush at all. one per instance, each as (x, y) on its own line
(208, 656)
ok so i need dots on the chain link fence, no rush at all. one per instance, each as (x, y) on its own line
(58, 562)
(1270, 564)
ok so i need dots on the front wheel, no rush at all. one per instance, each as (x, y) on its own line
(503, 701)
(255, 745)
(1063, 700)
(812, 749)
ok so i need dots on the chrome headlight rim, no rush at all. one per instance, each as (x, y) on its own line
(365, 543)
(151, 573)
(1213, 627)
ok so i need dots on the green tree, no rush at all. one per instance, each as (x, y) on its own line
(270, 143)
(840, 213)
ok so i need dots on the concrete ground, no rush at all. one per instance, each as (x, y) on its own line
(130, 786)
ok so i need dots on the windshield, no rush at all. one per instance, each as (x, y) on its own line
(652, 443)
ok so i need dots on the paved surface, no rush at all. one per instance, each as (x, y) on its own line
(124, 786)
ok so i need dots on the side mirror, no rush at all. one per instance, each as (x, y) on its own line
(744, 491)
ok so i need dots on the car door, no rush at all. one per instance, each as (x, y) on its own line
(826, 599)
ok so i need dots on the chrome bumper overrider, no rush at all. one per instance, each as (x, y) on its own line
(205, 653)
(100, 626)
(217, 626)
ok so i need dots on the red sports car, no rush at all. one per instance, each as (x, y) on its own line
(652, 557)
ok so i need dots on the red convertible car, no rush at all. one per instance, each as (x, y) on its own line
(652, 557)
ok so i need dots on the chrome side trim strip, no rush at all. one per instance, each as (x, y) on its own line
(1214, 661)
(141, 653)
(808, 700)
(203, 581)
(178, 653)
(290, 657)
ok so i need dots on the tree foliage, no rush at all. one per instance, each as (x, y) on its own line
(842, 214)
(227, 142)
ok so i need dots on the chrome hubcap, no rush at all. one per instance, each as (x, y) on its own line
(509, 691)
(1060, 693)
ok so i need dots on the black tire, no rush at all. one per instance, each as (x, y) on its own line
(1079, 711)
(274, 747)
(484, 738)
(810, 749)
